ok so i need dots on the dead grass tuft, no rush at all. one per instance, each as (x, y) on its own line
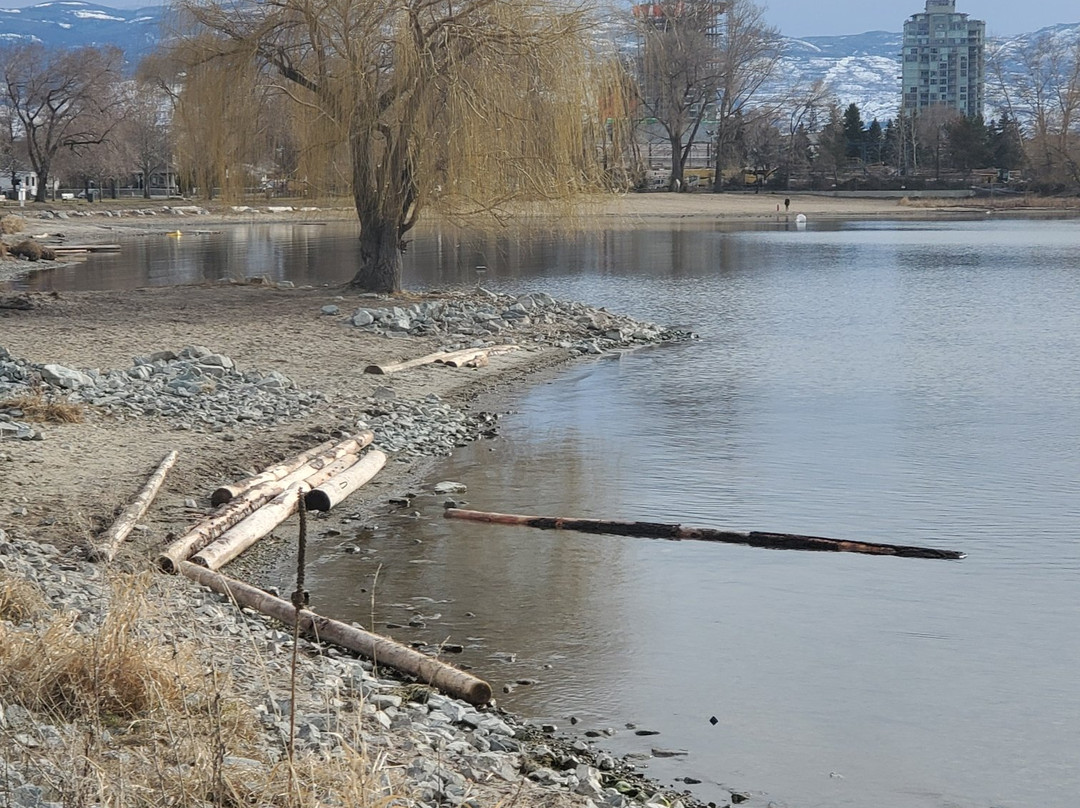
(142, 721)
(115, 671)
(11, 224)
(36, 406)
(20, 600)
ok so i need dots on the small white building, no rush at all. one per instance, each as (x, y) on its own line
(23, 179)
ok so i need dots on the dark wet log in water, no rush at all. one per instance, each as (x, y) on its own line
(657, 530)
(380, 650)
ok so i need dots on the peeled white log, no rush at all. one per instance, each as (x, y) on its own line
(232, 512)
(246, 532)
(331, 450)
(450, 358)
(125, 523)
(326, 496)
(380, 650)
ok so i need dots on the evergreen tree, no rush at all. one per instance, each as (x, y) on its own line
(854, 132)
(875, 142)
(1006, 144)
(969, 143)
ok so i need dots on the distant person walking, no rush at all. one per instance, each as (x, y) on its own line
(787, 205)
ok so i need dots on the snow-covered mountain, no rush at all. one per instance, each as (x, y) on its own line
(864, 69)
(74, 23)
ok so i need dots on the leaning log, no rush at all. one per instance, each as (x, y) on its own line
(330, 451)
(326, 496)
(380, 650)
(110, 542)
(656, 530)
(247, 531)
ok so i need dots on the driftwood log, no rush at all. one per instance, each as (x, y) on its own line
(238, 508)
(247, 531)
(109, 544)
(336, 481)
(326, 495)
(454, 359)
(381, 650)
(329, 451)
(655, 530)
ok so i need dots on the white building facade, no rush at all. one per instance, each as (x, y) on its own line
(944, 60)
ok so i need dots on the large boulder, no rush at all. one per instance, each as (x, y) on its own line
(60, 376)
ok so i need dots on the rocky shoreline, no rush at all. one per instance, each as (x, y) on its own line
(360, 735)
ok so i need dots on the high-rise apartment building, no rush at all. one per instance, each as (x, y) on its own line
(944, 59)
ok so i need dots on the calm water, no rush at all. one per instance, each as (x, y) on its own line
(906, 383)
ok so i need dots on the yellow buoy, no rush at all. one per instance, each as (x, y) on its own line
(175, 234)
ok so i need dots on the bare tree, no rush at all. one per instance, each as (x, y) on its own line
(62, 100)
(461, 103)
(678, 70)
(12, 148)
(797, 115)
(932, 127)
(1042, 93)
(145, 133)
(749, 55)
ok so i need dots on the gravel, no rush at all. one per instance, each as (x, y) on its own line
(454, 754)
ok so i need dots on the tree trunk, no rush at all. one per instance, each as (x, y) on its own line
(675, 181)
(249, 530)
(380, 650)
(328, 452)
(380, 258)
(656, 530)
(43, 184)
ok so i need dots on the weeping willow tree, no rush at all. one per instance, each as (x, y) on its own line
(218, 103)
(456, 104)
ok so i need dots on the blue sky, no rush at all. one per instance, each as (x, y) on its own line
(823, 17)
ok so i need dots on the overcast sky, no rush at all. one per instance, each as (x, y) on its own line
(824, 17)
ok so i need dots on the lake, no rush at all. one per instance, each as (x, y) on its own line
(904, 382)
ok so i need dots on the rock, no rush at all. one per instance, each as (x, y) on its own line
(449, 487)
(330, 310)
(667, 753)
(60, 376)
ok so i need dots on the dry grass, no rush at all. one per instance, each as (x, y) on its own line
(145, 722)
(996, 203)
(36, 406)
(20, 600)
(12, 224)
